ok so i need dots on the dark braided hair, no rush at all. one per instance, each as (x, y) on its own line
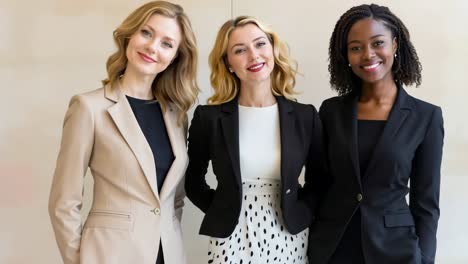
(406, 68)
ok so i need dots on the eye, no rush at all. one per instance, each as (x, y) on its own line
(167, 44)
(239, 51)
(378, 43)
(145, 33)
(354, 48)
(260, 44)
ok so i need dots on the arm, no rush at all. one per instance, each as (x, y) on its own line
(316, 173)
(179, 200)
(67, 187)
(180, 191)
(198, 191)
(425, 186)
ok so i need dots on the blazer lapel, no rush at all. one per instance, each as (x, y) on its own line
(396, 118)
(287, 128)
(350, 126)
(177, 139)
(230, 126)
(125, 120)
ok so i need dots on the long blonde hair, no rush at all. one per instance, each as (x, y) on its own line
(227, 85)
(177, 84)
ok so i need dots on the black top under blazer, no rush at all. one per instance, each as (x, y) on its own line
(409, 149)
(214, 135)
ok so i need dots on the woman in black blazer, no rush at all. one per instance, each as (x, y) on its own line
(258, 140)
(381, 145)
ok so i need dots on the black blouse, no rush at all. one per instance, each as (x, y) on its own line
(349, 250)
(369, 132)
(150, 118)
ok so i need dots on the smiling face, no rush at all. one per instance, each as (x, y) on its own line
(152, 48)
(371, 49)
(250, 54)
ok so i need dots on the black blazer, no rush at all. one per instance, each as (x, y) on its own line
(214, 135)
(409, 149)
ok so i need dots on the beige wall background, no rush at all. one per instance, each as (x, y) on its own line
(52, 49)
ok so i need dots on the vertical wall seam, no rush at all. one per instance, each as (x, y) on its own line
(232, 8)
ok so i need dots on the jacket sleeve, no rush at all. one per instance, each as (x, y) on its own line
(198, 191)
(316, 175)
(425, 186)
(180, 190)
(179, 200)
(67, 187)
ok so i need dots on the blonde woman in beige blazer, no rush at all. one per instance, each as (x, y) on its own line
(133, 216)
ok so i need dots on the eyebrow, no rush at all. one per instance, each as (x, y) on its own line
(373, 37)
(166, 37)
(241, 44)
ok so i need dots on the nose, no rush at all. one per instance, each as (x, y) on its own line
(151, 47)
(253, 55)
(368, 53)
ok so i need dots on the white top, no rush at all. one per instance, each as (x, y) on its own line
(259, 142)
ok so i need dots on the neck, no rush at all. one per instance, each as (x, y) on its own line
(137, 86)
(379, 93)
(256, 95)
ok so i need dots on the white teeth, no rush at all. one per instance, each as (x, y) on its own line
(256, 67)
(373, 66)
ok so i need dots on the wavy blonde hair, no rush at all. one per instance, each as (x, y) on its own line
(226, 85)
(177, 84)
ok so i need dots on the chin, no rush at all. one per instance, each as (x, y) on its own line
(373, 81)
(145, 71)
(262, 78)
(370, 79)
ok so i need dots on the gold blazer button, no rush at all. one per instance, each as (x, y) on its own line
(156, 211)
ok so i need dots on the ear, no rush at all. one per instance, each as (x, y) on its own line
(394, 45)
(228, 65)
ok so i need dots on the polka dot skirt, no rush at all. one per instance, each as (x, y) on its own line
(260, 236)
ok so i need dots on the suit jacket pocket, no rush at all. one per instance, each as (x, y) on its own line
(397, 220)
(109, 219)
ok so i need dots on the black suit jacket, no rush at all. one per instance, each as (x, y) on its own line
(214, 135)
(409, 149)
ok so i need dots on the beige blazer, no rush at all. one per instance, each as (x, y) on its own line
(128, 216)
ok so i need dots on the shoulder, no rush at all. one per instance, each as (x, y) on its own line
(212, 112)
(87, 98)
(204, 116)
(422, 106)
(335, 101)
(92, 97)
(332, 105)
(94, 100)
(82, 107)
(306, 114)
(88, 107)
(425, 110)
(209, 109)
(302, 109)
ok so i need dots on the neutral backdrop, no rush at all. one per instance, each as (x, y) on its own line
(52, 49)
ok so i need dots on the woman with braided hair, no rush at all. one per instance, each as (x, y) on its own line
(381, 144)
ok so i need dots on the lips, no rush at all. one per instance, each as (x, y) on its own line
(256, 67)
(371, 67)
(146, 58)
